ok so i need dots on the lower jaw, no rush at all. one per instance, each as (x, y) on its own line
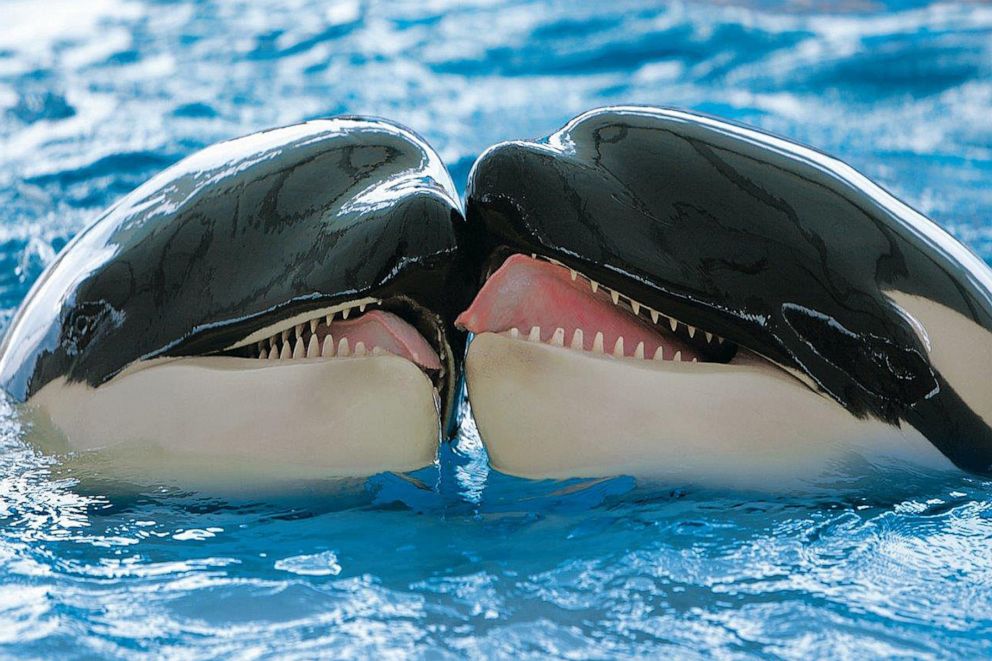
(224, 419)
(548, 412)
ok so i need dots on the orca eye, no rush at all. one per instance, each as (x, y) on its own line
(83, 322)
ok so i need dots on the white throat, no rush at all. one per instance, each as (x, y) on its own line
(548, 412)
(237, 420)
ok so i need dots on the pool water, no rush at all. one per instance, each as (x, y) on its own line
(456, 559)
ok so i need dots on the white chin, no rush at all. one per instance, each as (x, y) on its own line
(233, 421)
(549, 412)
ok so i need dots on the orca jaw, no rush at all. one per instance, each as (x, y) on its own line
(247, 422)
(553, 303)
(689, 405)
(652, 334)
(345, 390)
(547, 412)
(367, 326)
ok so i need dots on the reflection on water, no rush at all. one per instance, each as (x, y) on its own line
(454, 559)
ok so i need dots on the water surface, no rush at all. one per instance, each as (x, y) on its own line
(96, 97)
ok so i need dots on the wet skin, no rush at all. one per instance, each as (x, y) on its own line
(788, 253)
(241, 235)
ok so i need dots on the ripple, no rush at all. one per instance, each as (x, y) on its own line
(458, 560)
(318, 564)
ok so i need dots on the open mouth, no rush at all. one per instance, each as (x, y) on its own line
(541, 300)
(355, 329)
(359, 387)
(568, 377)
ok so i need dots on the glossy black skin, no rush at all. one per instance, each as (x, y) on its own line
(748, 236)
(241, 235)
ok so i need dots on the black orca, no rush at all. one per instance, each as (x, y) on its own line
(282, 301)
(706, 300)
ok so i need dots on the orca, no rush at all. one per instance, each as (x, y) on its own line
(667, 294)
(278, 305)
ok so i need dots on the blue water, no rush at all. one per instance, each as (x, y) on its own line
(457, 560)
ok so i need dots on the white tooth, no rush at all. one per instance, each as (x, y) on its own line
(558, 338)
(285, 354)
(360, 348)
(575, 274)
(639, 351)
(709, 337)
(674, 324)
(635, 306)
(692, 331)
(273, 341)
(654, 316)
(695, 359)
(328, 319)
(345, 313)
(597, 342)
(678, 356)
(659, 353)
(261, 344)
(313, 347)
(313, 325)
(274, 354)
(533, 255)
(514, 332)
(719, 339)
(299, 351)
(535, 334)
(327, 350)
(361, 308)
(285, 336)
(299, 330)
(378, 351)
(343, 349)
(263, 354)
(577, 340)
(618, 347)
(615, 295)
(594, 285)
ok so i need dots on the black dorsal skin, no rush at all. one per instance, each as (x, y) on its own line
(776, 246)
(242, 234)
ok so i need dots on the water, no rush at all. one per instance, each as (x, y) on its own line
(456, 560)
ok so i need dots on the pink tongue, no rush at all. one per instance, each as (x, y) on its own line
(387, 331)
(527, 292)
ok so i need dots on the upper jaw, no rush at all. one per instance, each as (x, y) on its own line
(273, 330)
(355, 328)
(306, 329)
(542, 299)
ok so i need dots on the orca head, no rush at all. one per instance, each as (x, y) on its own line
(667, 293)
(285, 297)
